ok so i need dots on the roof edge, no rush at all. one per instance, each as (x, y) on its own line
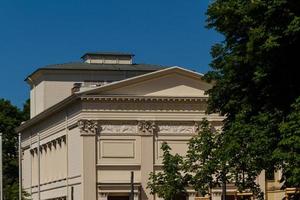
(47, 112)
(66, 69)
(147, 75)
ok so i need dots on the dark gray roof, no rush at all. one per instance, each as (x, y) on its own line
(94, 66)
(101, 67)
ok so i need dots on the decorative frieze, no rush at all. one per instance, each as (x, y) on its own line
(88, 126)
(118, 128)
(147, 127)
(139, 127)
(169, 128)
(178, 128)
(197, 127)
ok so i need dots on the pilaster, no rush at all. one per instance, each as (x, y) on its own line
(261, 181)
(147, 129)
(88, 131)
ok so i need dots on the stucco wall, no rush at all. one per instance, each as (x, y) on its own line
(52, 87)
(60, 166)
(74, 153)
(169, 85)
(122, 148)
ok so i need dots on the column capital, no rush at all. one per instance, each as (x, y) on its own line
(88, 127)
(136, 196)
(192, 194)
(147, 127)
(103, 194)
(217, 193)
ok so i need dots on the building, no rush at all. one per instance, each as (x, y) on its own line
(94, 122)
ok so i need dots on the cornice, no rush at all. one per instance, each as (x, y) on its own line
(143, 98)
(72, 98)
(49, 111)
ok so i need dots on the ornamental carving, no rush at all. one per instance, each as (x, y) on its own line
(197, 127)
(176, 128)
(147, 127)
(88, 126)
(118, 128)
(103, 195)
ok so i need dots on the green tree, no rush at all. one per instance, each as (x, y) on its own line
(26, 110)
(256, 82)
(10, 118)
(168, 184)
(288, 150)
(206, 165)
(200, 163)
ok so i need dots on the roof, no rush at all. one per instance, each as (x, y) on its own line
(118, 67)
(128, 81)
(136, 79)
(106, 53)
(102, 67)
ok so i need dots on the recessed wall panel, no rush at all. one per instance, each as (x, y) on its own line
(117, 149)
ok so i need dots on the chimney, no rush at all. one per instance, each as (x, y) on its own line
(107, 58)
(76, 87)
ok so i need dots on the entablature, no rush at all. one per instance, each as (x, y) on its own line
(138, 127)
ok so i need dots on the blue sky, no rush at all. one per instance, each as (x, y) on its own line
(35, 33)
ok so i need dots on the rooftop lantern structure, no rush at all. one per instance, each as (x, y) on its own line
(107, 58)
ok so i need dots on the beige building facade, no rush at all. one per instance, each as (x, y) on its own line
(93, 123)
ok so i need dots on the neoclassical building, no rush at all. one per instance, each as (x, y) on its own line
(94, 122)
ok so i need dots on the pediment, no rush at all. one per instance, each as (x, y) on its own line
(171, 82)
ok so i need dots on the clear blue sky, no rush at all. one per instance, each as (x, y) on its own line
(35, 33)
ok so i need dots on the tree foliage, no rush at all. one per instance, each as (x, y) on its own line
(288, 150)
(169, 183)
(200, 163)
(256, 83)
(10, 118)
(26, 110)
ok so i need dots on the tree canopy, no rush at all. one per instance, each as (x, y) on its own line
(199, 163)
(288, 149)
(255, 69)
(169, 183)
(10, 118)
